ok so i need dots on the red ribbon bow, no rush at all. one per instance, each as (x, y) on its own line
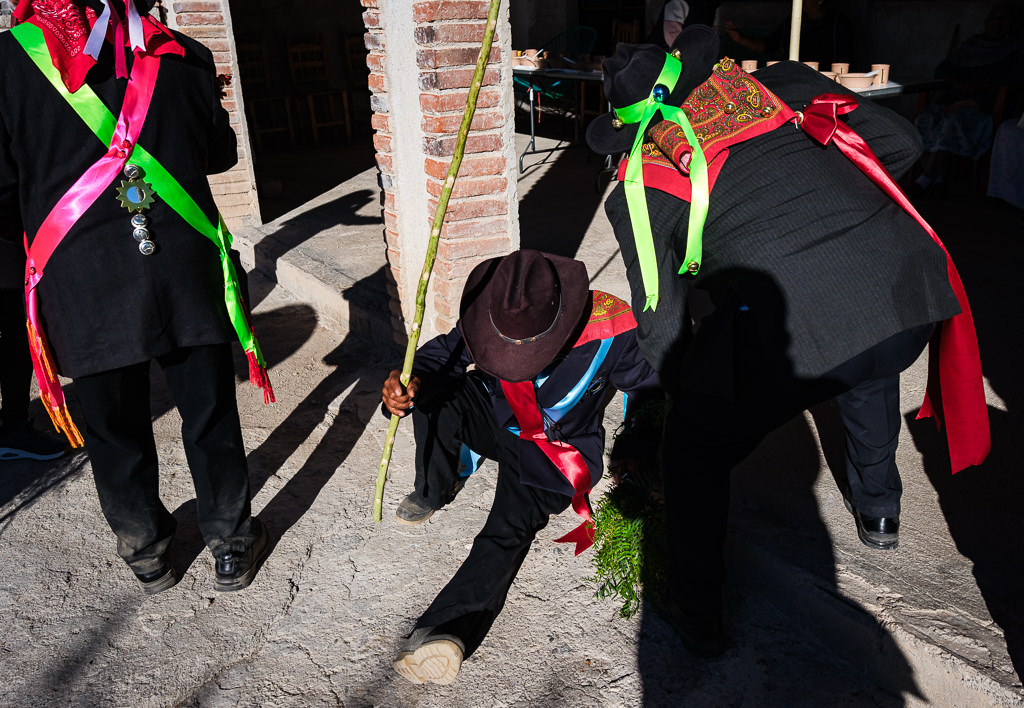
(957, 389)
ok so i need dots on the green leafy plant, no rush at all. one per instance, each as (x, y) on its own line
(629, 546)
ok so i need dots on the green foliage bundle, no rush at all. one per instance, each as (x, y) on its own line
(629, 552)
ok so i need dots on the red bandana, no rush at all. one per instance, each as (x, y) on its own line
(66, 25)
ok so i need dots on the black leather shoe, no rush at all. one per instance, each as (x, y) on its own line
(881, 532)
(702, 634)
(236, 570)
(163, 578)
(413, 510)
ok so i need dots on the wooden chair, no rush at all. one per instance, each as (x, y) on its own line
(327, 106)
(355, 61)
(266, 111)
(628, 32)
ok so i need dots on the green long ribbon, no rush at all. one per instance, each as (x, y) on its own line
(642, 112)
(87, 105)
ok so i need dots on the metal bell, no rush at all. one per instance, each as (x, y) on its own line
(147, 248)
(141, 234)
(677, 54)
(693, 266)
(140, 220)
(132, 171)
(617, 123)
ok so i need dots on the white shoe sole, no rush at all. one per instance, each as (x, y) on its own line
(433, 662)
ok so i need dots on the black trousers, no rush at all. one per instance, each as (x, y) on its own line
(15, 361)
(119, 438)
(472, 599)
(707, 436)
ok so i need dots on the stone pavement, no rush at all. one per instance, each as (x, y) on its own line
(815, 617)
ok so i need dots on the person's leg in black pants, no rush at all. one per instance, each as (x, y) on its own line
(118, 435)
(467, 606)
(872, 420)
(15, 362)
(201, 381)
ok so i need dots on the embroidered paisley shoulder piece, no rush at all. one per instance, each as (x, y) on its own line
(731, 106)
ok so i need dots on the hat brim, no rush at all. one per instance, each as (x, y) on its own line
(520, 362)
(698, 49)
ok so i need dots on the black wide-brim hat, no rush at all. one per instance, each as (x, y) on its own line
(518, 311)
(629, 77)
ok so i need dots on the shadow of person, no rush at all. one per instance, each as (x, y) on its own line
(292, 233)
(343, 402)
(736, 423)
(556, 212)
(780, 585)
(984, 510)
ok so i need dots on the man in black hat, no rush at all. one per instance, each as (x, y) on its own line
(823, 283)
(547, 353)
(109, 125)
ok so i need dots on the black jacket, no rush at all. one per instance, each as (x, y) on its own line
(797, 238)
(103, 304)
(446, 357)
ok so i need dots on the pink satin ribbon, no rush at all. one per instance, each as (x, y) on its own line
(522, 398)
(83, 194)
(955, 393)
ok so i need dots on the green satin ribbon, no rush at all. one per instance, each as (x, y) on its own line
(642, 112)
(102, 123)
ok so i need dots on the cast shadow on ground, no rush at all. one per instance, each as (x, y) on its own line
(288, 178)
(308, 224)
(556, 212)
(984, 505)
(984, 509)
(345, 419)
(773, 504)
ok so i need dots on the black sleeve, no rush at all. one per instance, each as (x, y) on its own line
(222, 143)
(662, 333)
(631, 374)
(12, 254)
(444, 357)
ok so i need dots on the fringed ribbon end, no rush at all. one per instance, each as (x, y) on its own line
(61, 419)
(259, 378)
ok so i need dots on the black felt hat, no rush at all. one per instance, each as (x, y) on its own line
(629, 77)
(518, 311)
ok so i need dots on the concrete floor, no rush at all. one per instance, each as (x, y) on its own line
(815, 617)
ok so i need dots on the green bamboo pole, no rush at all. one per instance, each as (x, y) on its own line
(435, 234)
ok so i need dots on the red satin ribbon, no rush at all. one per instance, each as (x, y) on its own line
(956, 393)
(522, 398)
(72, 206)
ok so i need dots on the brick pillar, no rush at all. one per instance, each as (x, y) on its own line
(422, 56)
(209, 21)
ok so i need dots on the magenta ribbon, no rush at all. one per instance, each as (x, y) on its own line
(77, 201)
(522, 398)
(957, 387)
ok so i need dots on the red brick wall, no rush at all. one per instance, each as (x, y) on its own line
(209, 22)
(447, 35)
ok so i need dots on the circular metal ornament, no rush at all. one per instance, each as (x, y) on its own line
(140, 220)
(147, 248)
(617, 123)
(141, 234)
(660, 93)
(693, 266)
(132, 171)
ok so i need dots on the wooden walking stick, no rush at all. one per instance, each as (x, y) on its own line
(435, 234)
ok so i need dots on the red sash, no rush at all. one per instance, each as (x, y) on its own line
(609, 317)
(955, 385)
